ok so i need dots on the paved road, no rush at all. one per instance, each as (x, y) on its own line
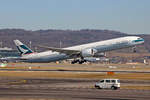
(74, 94)
(64, 89)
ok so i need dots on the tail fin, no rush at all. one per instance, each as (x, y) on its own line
(23, 49)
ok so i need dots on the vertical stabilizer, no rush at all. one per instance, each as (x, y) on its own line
(23, 49)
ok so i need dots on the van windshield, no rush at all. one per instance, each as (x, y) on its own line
(118, 81)
(102, 81)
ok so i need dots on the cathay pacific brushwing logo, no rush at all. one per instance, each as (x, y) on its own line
(23, 49)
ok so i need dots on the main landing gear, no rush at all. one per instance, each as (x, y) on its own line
(134, 49)
(79, 61)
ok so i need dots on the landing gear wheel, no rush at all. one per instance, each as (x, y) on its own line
(72, 62)
(81, 62)
(75, 61)
(78, 61)
(134, 49)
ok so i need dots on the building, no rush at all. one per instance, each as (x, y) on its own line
(8, 52)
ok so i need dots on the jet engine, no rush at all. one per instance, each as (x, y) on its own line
(88, 52)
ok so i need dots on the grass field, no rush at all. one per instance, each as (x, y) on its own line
(79, 75)
(61, 74)
(86, 67)
(30, 74)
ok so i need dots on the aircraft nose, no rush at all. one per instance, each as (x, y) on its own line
(142, 39)
(138, 40)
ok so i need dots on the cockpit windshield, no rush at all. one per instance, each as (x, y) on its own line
(139, 38)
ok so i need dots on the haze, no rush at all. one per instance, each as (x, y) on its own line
(129, 16)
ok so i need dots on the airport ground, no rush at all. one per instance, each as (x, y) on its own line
(50, 81)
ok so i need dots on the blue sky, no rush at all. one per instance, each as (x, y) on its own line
(129, 16)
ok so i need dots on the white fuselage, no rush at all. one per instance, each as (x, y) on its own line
(101, 46)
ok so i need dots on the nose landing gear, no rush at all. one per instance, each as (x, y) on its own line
(134, 49)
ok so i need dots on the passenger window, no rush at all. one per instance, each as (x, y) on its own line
(102, 81)
(113, 81)
(107, 81)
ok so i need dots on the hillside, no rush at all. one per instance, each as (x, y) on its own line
(67, 37)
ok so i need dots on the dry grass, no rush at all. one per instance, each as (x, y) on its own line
(26, 74)
(61, 74)
(93, 67)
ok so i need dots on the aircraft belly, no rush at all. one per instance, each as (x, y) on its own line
(49, 58)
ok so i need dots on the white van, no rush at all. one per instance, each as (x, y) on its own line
(108, 84)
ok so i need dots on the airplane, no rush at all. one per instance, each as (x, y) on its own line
(78, 53)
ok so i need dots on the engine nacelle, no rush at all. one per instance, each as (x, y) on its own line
(88, 52)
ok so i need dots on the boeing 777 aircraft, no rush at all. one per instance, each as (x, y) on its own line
(79, 51)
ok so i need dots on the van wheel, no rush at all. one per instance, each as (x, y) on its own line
(99, 87)
(113, 88)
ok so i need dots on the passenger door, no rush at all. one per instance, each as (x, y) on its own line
(108, 84)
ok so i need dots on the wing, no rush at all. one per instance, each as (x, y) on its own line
(65, 51)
